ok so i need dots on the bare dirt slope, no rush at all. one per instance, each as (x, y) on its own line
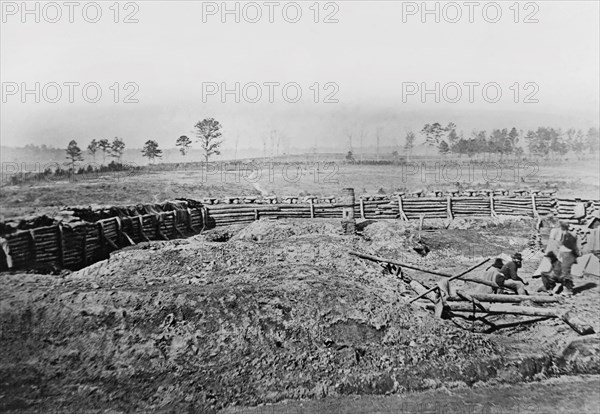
(270, 312)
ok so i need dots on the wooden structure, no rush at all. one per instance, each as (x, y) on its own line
(94, 233)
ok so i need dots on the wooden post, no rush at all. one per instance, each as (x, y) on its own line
(449, 208)
(189, 219)
(175, 229)
(142, 232)
(362, 208)
(33, 246)
(534, 207)
(492, 211)
(101, 237)
(119, 231)
(401, 210)
(347, 202)
(61, 245)
(204, 217)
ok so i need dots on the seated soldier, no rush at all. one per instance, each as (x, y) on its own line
(509, 277)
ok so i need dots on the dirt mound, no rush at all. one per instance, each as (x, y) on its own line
(273, 311)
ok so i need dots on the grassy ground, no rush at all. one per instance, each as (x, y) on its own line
(47, 196)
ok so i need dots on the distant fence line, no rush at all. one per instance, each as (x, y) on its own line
(87, 235)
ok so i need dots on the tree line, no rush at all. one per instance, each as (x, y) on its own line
(544, 141)
(208, 134)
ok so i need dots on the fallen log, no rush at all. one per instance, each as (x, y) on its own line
(485, 297)
(576, 323)
(502, 309)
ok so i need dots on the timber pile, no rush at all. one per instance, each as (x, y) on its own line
(477, 306)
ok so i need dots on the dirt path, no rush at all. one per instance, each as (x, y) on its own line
(579, 395)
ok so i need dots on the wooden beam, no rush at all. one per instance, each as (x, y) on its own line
(455, 277)
(487, 297)
(502, 309)
(576, 323)
(129, 240)
(381, 259)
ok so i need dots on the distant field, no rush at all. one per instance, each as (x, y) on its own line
(580, 179)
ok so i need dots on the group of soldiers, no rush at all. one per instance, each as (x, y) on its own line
(561, 251)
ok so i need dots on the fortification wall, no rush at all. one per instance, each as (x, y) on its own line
(89, 235)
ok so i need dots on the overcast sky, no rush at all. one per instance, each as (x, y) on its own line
(368, 54)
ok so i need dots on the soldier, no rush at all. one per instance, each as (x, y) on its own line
(551, 277)
(567, 253)
(509, 277)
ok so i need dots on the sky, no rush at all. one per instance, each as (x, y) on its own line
(360, 62)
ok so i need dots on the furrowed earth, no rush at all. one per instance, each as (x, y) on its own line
(269, 312)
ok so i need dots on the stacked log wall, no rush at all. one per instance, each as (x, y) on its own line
(74, 245)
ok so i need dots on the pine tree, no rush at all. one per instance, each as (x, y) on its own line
(104, 145)
(93, 148)
(184, 142)
(151, 150)
(117, 147)
(73, 154)
(208, 132)
(444, 148)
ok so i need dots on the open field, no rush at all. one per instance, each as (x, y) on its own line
(46, 196)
